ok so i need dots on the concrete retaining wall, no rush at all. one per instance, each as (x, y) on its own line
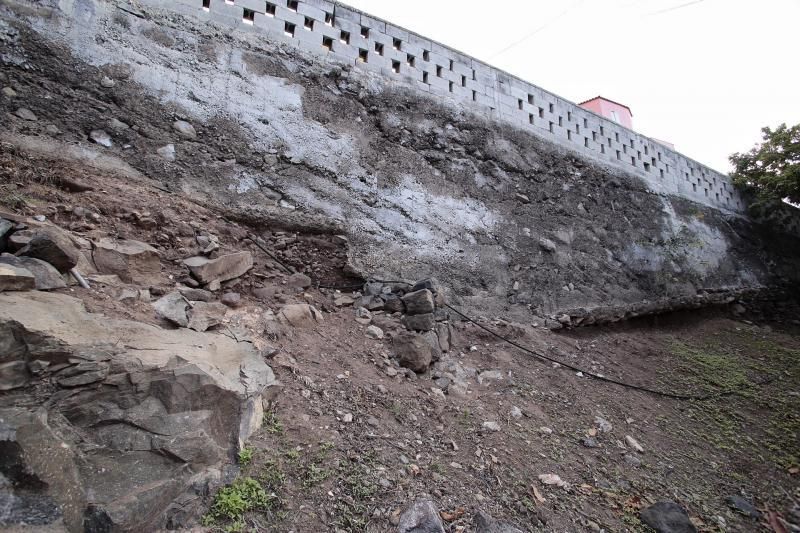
(341, 34)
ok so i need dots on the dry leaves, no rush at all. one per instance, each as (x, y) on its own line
(451, 517)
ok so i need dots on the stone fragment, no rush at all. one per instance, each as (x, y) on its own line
(484, 523)
(167, 152)
(603, 425)
(547, 245)
(392, 303)
(444, 335)
(5, 230)
(107, 82)
(184, 129)
(197, 295)
(421, 517)
(14, 278)
(633, 443)
(133, 261)
(47, 277)
(743, 506)
(54, 248)
(220, 269)
(231, 299)
(667, 517)
(516, 412)
(412, 351)
(419, 302)
(19, 240)
(374, 332)
(491, 425)
(522, 198)
(173, 307)
(343, 301)
(101, 137)
(205, 315)
(299, 281)
(424, 322)
(25, 114)
(9, 92)
(300, 315)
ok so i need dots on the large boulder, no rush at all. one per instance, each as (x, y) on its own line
(53, 247)
(173, 307)
(222, 268)
(5, 231)
(419, 302)
(413, 351)
(122, 424)
(46, 276)
(424, 322)
(205, 315)
(133, 261)
(14, 278)
(421, 517)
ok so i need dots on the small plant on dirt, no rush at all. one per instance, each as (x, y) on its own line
(232, 502)
(271, 476)
(313, 474)
(272, 424)
(293, 455)
(245, 456)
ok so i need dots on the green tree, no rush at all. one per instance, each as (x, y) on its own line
(771, 170)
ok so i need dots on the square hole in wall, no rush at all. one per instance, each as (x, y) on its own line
(327, 44)
(248, 16)
(292, 5)
(647, 167)
(639, 155)
(309, 24)
(451, 64)
(379, 49)
(551, 107)
(667, 165)
(705, 191)
(594, 136)
(438, 71)
(541, 112)
(365, 32)
(602, 131)
(569, 135)
(363, 55)
(551, 127)
(206, 5)
(530, 99)
(616, 137)
(397, 44)
(654, 161)
(329, 19)
(411, 60)
(426, 55)
(632, 146)
(645, 150)
(450, 86)
(474, 96)
(270, 9)
(619, 155)
(577, 128)
(659, 156)
(633, 161)
(424, 77)
(345, 37)
(288, 29)
(602, 148)
(530, 118)
(569, 116)
(661, 173)
(560, 121)
(474, 75)
(396, 67)
(463, 81)
(624, 148)
(229, 2)
(585, 123)
(694, 187)
(609, 142)
(520, 104)
(586, 142)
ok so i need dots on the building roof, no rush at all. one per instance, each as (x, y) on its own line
(607, 100)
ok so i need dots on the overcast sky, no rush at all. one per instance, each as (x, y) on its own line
(705, 75)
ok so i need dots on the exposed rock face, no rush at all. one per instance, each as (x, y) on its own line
(14, 278)
(118, 419)
(421, 517)
(220, 269)
(205, 315)
(412, 351)
(300, 315)
(132, 261)
(419, 302)
(173, 307)
(46, 276)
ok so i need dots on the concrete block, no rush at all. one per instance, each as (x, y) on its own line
(345, 50)
(259, 6)
(314, 12)
(312, 47)
(308, 36)
(288, 15)
(269, 23)
(325, 5)
(347, 25)
(227, 10)
(342, 13)
(374, 24)
(420, 41)
(396, 31)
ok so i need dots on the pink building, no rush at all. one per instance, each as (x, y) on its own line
(621, 114)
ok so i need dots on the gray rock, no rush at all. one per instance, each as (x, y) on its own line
(173, 307)
(743, 506)
(9, 92)
(101, 137)
(19, 240)
(162, 425)
(299, 281)
(13, 375)
(412, 351)
(633, 461)
(220, 269)
(47, 277)
(374, 332)
(205, 315)
(13, 278)
(523, 198)
(107, 82)
(516, 412)
(590, 442)
(197, 295)
(445, 336)
(25, 114)
(54, 248)
(491, 425)
(5, 231)
(484, 523)
(419, 302)
(419, 322)
(392, 303)
(184, 129)
(421, 517)
(231, 299)
(547, 245)
(667, 517)
(167, 152)
(133, 261)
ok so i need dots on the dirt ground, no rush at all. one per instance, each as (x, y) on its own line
(351, 439)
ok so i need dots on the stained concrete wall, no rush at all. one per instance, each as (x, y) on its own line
(341, 34)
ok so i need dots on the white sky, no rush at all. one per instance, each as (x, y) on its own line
(706, 76)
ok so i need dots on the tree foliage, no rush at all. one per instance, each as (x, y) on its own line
(772, 168)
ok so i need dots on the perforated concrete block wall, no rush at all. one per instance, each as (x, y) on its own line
(341, 34)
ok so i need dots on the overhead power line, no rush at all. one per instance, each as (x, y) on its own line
(537, 30)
